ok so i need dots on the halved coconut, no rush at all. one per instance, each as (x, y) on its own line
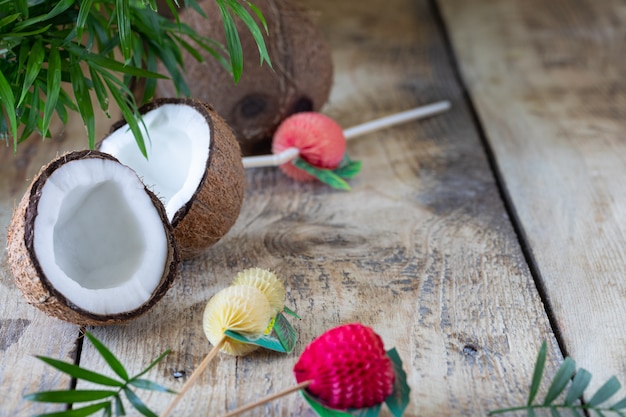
(194, 166)
(89, 244)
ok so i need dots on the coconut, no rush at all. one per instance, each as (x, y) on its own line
(193, 165)
(89, 243)
(299, 80)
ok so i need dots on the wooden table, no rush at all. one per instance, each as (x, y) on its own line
(467, 240)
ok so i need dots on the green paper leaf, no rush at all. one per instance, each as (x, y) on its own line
(554, 412)
(289, 311)
(80, 373)
(320, 409)
(605, 392)
(77, 412)
(67, 397)
(267, 342)
(348, 168)
(578, 387)
(560, 380)
(285, 332)
(367, 412)
(399, 398)
(106, 354)
(326, 176)
(537, 373)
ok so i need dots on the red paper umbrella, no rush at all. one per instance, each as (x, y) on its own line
(347, 368)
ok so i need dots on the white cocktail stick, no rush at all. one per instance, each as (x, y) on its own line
(352, 132)
(397, 118)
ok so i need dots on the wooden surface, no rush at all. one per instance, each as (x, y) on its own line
(550, 93)
(424, 248)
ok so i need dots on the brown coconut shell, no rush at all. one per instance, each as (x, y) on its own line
(29, 276)
(216, 203)
(300, 78)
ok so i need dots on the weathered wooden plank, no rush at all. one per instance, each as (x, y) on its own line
(548, 82)
(421, 249)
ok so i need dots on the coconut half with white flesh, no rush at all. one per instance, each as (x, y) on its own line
(194, 166)
(89, 243)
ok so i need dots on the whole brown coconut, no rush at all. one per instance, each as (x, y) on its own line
(299, 80)
(194, 166)
(89, 244)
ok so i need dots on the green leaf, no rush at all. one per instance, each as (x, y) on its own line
(285, 332)
(560, 380)
(8, 19)
(122, 10)
(154, 363)
(243, 14)
(119, 406)
(60, 7)
(537, 373)
(110, 64)
(130, 115)
(137, 403)
(619, 405)
(70, 396)
(106, 354)
(83, 14)
(320, 409)
(267, 342)
(399, 398)
(8, 103)
(233, 42)
(259, 15)
(291, 312)
(326, 176)
(54, 88)
(100, 90)
(578, 387)
(77, 412)
(605, 392)
(80, 373)
(33, 67)
(149, 385)
(83, 100)
(554, 412)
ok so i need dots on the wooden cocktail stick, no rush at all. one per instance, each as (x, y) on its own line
(267, 399)
(194, 376)
(352, 132)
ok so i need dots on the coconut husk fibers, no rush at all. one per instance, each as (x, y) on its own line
(32, 281)
(216, 203)
(300, 78)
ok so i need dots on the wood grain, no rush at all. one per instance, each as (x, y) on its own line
(548, 83)
(421, 249)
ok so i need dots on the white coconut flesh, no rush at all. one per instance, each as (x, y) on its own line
(178, 150)
(98, 237)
